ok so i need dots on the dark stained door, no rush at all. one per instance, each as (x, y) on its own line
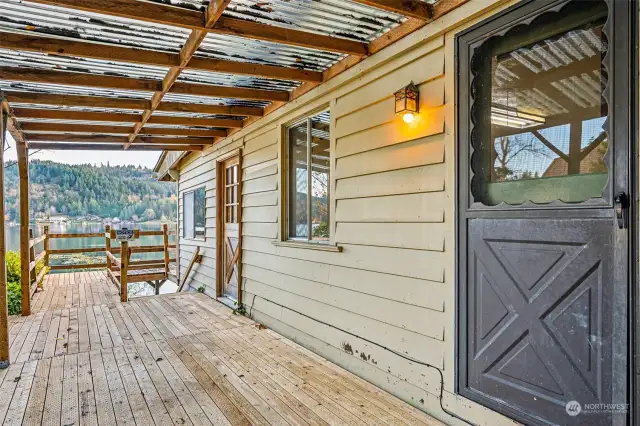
(543, 260)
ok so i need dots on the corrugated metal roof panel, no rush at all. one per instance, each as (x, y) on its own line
(221, 79)
(195, 115)
(220, 46)
(76, 24)
(74, 108)
(205, 100)
(87, 122)
(61, 89)
(336, 18)
(84, 65)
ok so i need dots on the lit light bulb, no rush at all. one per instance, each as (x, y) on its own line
(408, 117)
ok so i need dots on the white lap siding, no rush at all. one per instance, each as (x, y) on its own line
(392, 212)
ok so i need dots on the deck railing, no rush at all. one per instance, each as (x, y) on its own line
(118, 269)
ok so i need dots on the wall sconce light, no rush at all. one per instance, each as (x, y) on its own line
(408, 102)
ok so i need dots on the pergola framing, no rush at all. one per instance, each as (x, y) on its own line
(81, 87)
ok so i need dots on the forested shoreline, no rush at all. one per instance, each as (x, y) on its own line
(104, 191)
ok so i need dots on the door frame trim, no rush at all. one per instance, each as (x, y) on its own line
(461, 188)
(220, 226)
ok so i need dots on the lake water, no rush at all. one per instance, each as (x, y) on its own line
(140, 289)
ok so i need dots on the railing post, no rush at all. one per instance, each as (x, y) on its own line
(46, 246)
(32, 256)
(165, 236)
(107, 244)
(124, 267)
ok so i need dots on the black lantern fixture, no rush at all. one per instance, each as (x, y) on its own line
(408, 102)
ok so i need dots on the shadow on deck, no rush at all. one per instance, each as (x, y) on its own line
(85, 357)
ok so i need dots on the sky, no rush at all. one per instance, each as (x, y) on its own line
(115, 158)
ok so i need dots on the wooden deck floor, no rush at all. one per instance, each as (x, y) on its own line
(85, 358)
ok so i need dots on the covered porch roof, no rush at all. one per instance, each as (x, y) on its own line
(178, 75)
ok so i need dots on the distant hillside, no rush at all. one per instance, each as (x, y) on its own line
(128, 192)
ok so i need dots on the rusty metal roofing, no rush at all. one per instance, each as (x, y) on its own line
(344, 19)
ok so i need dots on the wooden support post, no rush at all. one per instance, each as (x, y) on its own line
(124, 270)
(165, 236)
(4, 310)
(107, 244)
(23, 171)
(46, 246)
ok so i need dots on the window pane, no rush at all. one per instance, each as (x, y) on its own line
(539, 114)
(199, 212)
(320, 177)
(188, 215)
(298, 181)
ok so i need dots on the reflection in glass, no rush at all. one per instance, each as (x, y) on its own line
(320, 177)
(298, 181)
(309, 177)
(188, 216)
(199, 213)
(539, 113)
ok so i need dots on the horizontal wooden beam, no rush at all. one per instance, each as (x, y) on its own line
(138, 104)
(58, 114)
(108, 52)
(119, 130)
(413, 8)
(210, 109)
(229, 92)
(34, 75)
(256, 30)
(143, 85)
(121, 118)
(188, 121)
(49, 137)
(66, 47)
(75, 100)
(111, 147)
(185, 18)
(258, 70)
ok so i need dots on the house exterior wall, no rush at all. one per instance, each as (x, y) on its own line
(393, 214)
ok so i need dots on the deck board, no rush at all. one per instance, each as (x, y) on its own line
(85, 358)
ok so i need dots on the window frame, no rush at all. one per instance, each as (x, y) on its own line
(195, 237)
(308, 241)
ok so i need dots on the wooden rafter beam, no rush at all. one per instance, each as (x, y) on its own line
(210, 109)
(213, 13)
(188, 121)
(194, 20)
(414, 8)
(52, 137)
(83, 49)
(111, 147)
(136, 84)
(137, 104)
(114, 117)
(120, 130)
(57, 114)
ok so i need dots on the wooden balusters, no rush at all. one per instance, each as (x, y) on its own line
(46, 246)
(124, 270)
(32, 257)
(107, 245)
(165, 236)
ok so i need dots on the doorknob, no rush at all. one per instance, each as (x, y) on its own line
(621, 201)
